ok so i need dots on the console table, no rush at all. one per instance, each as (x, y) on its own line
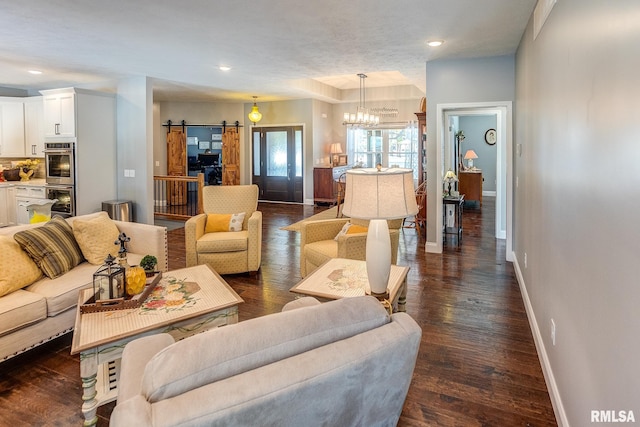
(458, 203)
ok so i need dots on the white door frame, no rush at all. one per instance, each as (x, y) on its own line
(504, 157)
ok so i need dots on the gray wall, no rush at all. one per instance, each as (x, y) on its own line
(460, 81)
(135, 145)
(577, 202)
(296, 112)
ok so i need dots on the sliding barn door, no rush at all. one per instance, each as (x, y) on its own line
(231, 157)
(176, 166)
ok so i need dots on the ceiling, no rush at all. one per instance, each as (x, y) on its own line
(277, 50)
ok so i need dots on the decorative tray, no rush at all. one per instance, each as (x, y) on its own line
(93, 306)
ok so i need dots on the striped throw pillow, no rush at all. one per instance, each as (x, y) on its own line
(51, 246)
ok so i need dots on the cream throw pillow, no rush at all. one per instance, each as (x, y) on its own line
(96, 237)
(17, 270)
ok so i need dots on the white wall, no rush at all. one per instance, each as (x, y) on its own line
(577, 203)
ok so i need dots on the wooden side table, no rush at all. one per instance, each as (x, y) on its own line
(470, 184)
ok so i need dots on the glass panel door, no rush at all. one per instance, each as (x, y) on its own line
(277, 163)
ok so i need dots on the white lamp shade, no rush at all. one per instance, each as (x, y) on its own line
(384, 194)
(336, 148)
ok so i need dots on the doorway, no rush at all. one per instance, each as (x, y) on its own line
(277, 163)
(504, 167)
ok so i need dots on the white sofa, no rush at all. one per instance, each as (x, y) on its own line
(341, 363)
(46, 309)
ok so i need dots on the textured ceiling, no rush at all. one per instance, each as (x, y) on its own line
(279, 49)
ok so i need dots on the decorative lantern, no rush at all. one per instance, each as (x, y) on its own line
(109, 280)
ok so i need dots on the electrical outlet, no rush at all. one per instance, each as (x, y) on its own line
(525, 260)
(553, 332)
(157, 163)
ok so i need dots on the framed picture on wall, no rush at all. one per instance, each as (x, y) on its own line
(342, 159)
(204, 145)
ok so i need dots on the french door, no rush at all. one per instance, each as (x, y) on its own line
(277, 162)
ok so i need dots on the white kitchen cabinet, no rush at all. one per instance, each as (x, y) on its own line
(7, 205)
(11, 127)
(4, 207)
(59, 113)
(24, 196)
(34, 126)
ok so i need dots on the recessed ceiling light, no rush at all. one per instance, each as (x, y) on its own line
(35, 72)
(224, 68)
(435, 43)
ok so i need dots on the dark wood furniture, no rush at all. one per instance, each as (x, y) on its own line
(457, 202)
(325, 183)
(470, 184)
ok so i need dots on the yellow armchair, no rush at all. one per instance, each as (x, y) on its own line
(318, 243)
(227, 252)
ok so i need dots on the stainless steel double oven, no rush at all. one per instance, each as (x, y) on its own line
(60, 176)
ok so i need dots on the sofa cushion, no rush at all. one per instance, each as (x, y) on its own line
(225, 352)
(317, 253)
(52, 247)
(96, 237)
(61, 293)
(17, 270)
(19, 309)
(228, 241)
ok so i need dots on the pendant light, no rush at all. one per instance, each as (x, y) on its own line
(361, 117)
(255, 116)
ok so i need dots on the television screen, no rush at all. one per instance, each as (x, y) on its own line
(208, 159)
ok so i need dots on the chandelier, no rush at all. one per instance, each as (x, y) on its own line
(362, 116)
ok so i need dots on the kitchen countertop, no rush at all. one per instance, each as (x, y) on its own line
(39, 182)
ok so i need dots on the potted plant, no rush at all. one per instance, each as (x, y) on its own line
(149, 262)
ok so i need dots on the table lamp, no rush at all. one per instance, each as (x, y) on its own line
(335, 149)
(470, 155)
(450, 177)
(378, 195)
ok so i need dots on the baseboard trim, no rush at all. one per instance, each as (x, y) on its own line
(552, 387)
(432, 248)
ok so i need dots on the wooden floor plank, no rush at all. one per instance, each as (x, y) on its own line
(477, 364)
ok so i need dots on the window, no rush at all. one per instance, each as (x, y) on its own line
(392, 147)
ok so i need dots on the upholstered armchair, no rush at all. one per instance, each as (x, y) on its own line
(318, 242)
(227, 252)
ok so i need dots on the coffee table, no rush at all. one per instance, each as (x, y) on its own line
(185, 302)
(340, 278)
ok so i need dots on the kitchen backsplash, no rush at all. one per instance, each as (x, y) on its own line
(39, 173)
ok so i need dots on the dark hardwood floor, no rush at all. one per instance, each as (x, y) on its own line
(477, 364)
